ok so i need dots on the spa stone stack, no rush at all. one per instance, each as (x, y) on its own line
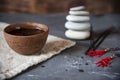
(78, 23)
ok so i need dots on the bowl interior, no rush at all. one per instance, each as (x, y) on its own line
(25, 29)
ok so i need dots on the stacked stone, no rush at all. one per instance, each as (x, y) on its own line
(78, 23)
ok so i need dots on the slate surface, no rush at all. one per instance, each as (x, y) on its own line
(72, 64)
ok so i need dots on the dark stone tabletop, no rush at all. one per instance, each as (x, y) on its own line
(72, 64)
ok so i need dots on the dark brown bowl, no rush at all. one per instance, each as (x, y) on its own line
(26, 37)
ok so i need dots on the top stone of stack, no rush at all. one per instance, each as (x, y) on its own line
(79, 8)
(78, 11)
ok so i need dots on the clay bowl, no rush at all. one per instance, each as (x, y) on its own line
(26, 38)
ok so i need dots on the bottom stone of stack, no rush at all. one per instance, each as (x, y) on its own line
(79, 35)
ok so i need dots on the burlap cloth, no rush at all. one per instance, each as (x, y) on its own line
(12, 63)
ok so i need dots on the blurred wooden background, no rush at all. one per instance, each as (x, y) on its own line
(58, 6)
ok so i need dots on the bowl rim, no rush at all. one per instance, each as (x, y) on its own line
(27, 23)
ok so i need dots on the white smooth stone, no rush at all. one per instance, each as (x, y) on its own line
(79, 12)
(79, 35)
(77, 18)
(77, 8)
(77, 26)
